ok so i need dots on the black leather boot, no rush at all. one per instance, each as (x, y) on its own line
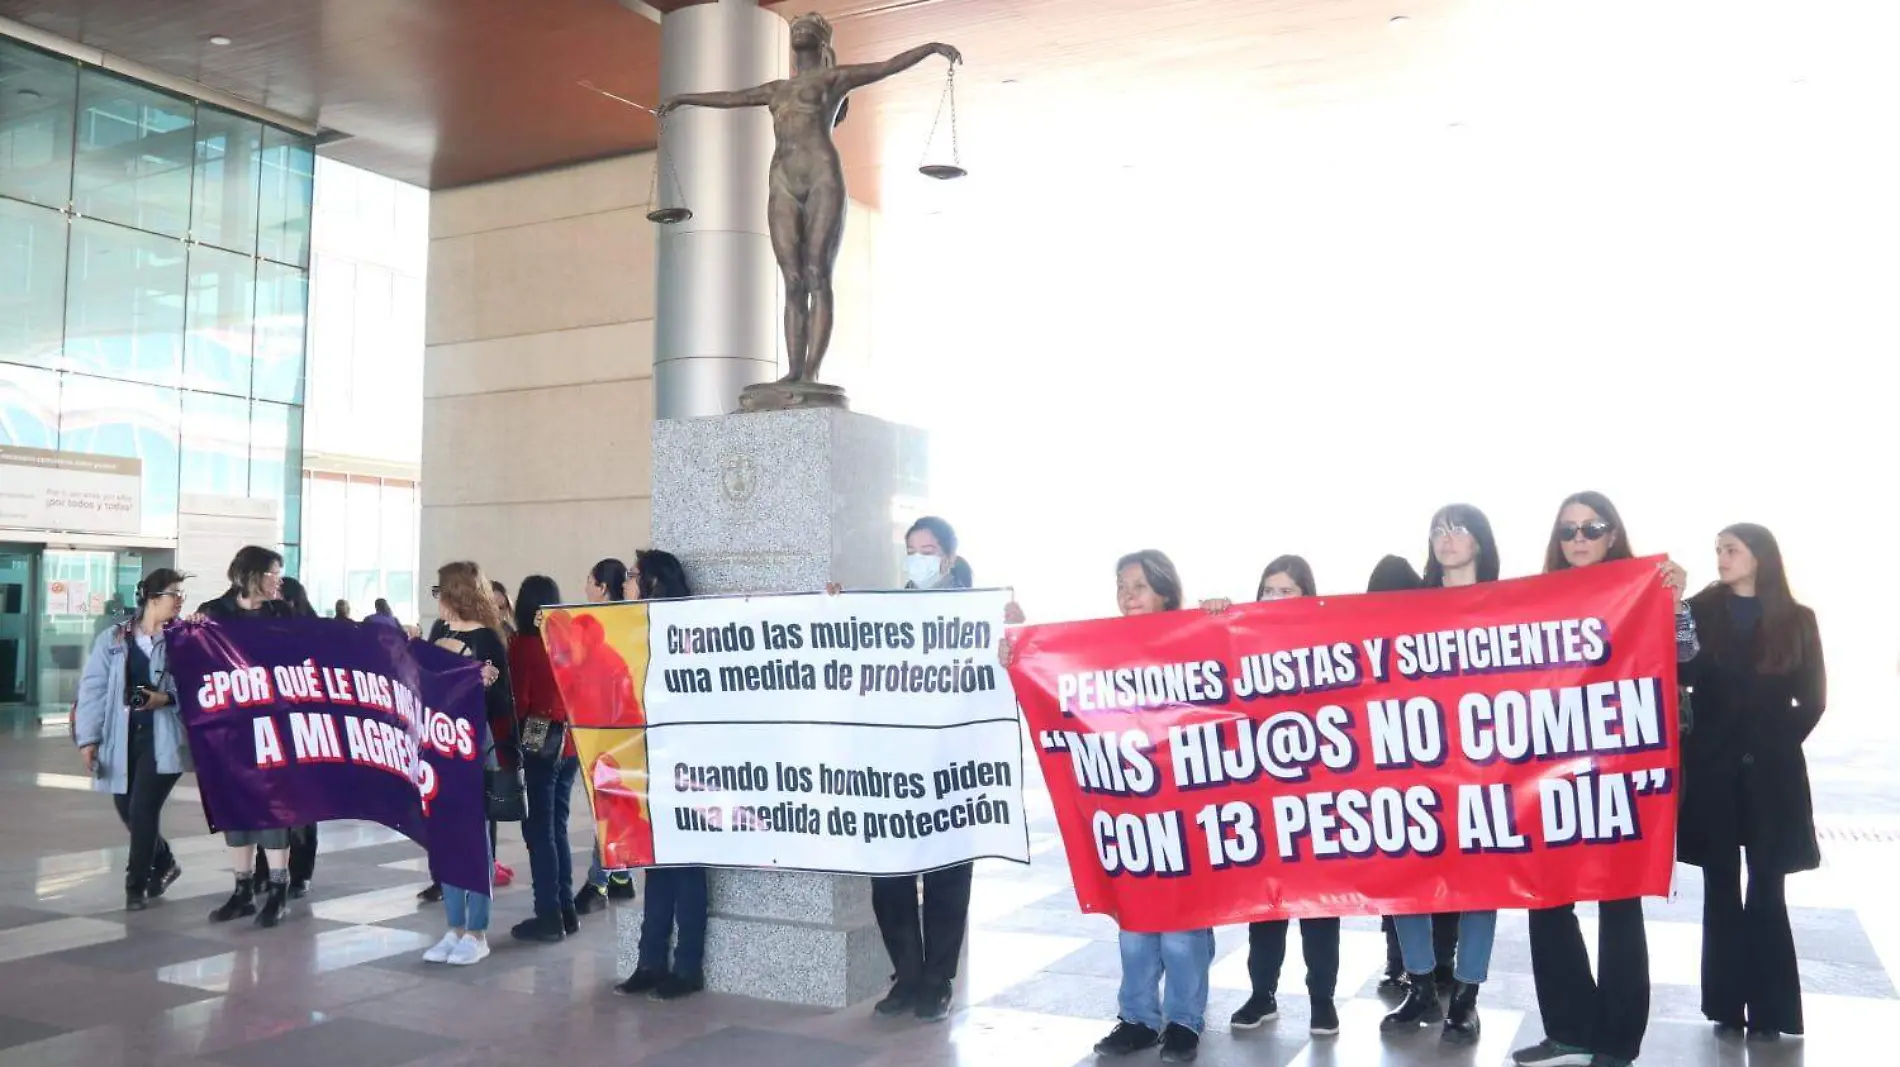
(243, 902)
(1461, 1021)
(274, 899)
(1419, 1008)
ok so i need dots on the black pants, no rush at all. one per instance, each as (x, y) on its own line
(1610, 1013)
(1749, 973)
(139, 806)
(674, 895)
(924, 948)
(1319, 944)
(1444, 943)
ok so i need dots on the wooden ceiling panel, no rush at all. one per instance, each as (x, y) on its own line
(435, 92)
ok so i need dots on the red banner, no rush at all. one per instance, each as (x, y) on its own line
(1506, 745)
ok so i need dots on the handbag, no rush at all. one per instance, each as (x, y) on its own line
(507, 793)
(543, 739)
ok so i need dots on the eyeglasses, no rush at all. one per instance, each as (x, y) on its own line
(1455, 529)
(172, 594)
(1591, 531)
(435, 592)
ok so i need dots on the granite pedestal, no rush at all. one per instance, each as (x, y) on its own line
(786, 501)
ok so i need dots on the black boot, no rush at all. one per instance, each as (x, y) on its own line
(1419, 1008)
(135, 899)
(570, 921)
(1461, 1020)
(242, 903)
(274, 899)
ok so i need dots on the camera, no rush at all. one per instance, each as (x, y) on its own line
(141, 699)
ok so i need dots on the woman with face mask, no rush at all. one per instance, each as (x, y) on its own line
(925, 941)
(1463, 552)
(129, 733)
(1596, 1022)
(1760, 688)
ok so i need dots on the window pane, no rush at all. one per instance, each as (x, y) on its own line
(224, 185)
(133, 164)
(364, 544)
(29, 407)
(283, 217)
(140, 422)
(325, 536)
(37, 99)
(215, 445)
(218, 322)
(283, 294)
(277, 461)
(32, 282)
(399, 546)
(125, 309)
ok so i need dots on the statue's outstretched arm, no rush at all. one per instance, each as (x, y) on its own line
(757, 96)
(859, 75)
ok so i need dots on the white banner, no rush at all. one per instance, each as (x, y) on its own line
(865, 733)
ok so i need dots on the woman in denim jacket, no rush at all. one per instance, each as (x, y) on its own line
(128, 731)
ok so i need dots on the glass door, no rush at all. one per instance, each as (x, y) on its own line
(17, 624)
(81, 592)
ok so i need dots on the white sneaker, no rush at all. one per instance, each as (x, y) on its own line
(443, 948)
(472, 949)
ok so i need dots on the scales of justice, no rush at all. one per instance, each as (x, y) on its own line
(806, 206)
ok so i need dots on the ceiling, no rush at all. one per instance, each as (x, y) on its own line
(438, 93)
(443, 93)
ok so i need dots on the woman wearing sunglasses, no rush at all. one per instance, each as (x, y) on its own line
(1595, 1023)
(1463, 552)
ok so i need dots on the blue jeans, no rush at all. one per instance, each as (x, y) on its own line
(674, 894)
(1476, 930)
(550, 857)
(1185, 959)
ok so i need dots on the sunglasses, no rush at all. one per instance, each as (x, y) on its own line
(1453, 530)
(1591, 531)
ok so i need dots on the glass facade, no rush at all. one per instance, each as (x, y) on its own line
(362, 543)
(154, 284)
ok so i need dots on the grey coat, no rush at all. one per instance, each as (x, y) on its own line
(102, 718)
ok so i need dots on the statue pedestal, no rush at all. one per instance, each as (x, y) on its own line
(786, 501)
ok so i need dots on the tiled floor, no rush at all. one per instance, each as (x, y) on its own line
(83, 983)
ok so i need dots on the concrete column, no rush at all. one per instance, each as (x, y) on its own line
(718, 286)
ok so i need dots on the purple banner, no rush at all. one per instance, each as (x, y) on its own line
(296, 721)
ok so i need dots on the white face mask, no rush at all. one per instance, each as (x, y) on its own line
(923, 571)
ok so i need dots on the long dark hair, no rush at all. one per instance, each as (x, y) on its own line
(611, 573)
(1293, 567)
(1779, 638)
(662, 577)
(1392, 575)
(537, 591)
(1159, 570)
(961, 576)
(1473, 520)
(298, 598)
(1554, 559)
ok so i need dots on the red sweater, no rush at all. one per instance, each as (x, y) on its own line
(533, 677)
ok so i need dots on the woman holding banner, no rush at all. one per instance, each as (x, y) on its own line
(1172, 1017)
(1760, 688)
(257, 578)
(606, 584)
(129, 734)
(1463, 551)
(472, 628)
(1286, 578)
(676, 896)
(1595, 1023)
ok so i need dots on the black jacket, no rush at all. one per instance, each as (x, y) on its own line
(1744, 778)
(226, 607)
